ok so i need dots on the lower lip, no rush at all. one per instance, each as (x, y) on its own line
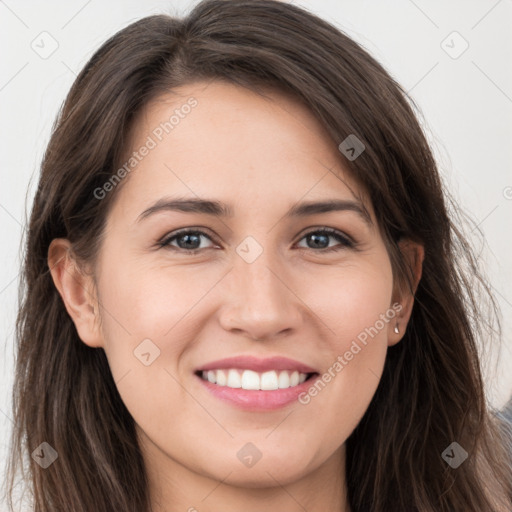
(258, 400)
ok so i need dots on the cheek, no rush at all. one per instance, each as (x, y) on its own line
(150, 321)
(354, 305)
(150, 302)
(148, 324)
(350, 300)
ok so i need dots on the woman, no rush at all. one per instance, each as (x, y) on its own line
(185, 340)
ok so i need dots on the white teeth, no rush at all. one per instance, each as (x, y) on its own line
(248, 379)
(234, 380)
(284, 380)
(221, 378)
(269, 381)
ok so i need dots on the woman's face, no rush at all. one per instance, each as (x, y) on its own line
(261, 282)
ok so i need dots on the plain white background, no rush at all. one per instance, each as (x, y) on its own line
(465, 96)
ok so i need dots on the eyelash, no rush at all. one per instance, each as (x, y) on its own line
(343, 239)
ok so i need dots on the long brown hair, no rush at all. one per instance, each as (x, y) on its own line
(431, 392)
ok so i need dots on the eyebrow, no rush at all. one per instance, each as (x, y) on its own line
(218, 209)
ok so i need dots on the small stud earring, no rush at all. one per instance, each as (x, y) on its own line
(397, 330)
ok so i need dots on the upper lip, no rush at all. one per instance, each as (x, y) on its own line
(257, 364)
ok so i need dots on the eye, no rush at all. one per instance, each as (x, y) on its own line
(320, 240)
(189, 241)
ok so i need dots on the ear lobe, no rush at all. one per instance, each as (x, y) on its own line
(77, 291)
(413, 254)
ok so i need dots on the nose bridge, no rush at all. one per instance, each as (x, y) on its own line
(260, 301)
(258, 281)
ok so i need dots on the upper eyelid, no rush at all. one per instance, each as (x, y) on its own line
(330, 231)
(184, 231)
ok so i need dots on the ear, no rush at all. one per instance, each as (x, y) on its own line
(77, 290)
(413, 254)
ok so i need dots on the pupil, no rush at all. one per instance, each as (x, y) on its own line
(188, 240)
(323, 238)
(319, 241)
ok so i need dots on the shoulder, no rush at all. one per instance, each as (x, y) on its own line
(506, 413)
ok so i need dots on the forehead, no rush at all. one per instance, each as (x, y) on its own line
(225, 141)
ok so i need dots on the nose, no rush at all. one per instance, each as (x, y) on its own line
(259, 301)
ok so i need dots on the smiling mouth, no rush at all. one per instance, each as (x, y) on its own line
(251, 380)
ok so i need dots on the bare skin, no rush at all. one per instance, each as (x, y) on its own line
(261, 156)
